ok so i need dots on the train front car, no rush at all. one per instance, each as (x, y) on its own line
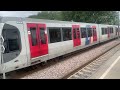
(12, 43)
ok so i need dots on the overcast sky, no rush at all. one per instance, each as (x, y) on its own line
(18, 13)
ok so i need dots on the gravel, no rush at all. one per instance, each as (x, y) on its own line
(63, 68)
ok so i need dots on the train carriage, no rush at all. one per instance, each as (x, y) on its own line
(106, 32)
(31, 41)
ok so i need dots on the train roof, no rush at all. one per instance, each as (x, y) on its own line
(5, 19)
(20, 19)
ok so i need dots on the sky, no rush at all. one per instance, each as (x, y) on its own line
(17, 13)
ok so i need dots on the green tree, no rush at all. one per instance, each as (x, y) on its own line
(104, 17)
(99, 17)
(52, 15)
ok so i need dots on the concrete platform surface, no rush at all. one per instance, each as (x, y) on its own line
(110, 69)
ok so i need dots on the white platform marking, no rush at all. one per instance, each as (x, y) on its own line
(106, 72)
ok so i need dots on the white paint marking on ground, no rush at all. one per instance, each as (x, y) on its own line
(106, 72)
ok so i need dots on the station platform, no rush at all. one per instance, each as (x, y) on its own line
(110, 69)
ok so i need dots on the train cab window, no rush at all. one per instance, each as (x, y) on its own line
(42, 36)
(89, 30)
(83, 33)
(33, 36)
(55, 35)
(67, 34)
(12, 42)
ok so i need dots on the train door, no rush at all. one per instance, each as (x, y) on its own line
(76, 35)
(37, 39)
(43, 42)
(33, 40)
(94, 34)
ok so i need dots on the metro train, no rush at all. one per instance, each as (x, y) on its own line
(25, 41)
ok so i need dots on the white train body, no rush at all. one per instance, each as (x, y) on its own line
(31, 41)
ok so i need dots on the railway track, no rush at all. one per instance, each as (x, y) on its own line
(29, 70)
(85, 71)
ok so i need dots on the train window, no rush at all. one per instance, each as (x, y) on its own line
(42, 36)
(111, 30)
(103, 31)
(67, 34)
(74, 32)
(106, 30)
(83, 33)
(33, 36)
(12, 42)
(78, 33)
(116, 31)
(94, 31)
(55, 35)
(89, 30)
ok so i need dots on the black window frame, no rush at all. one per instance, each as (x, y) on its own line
(74, 33)
(106, 30)
(83, 34)
(43, 39)
(63, 33)
(116, 29)
(89, 32)
(103, 31)
(48, 29)
(112, 30)
(78, 33)
(34, 40)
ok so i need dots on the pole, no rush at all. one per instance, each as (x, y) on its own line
(118, 23)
